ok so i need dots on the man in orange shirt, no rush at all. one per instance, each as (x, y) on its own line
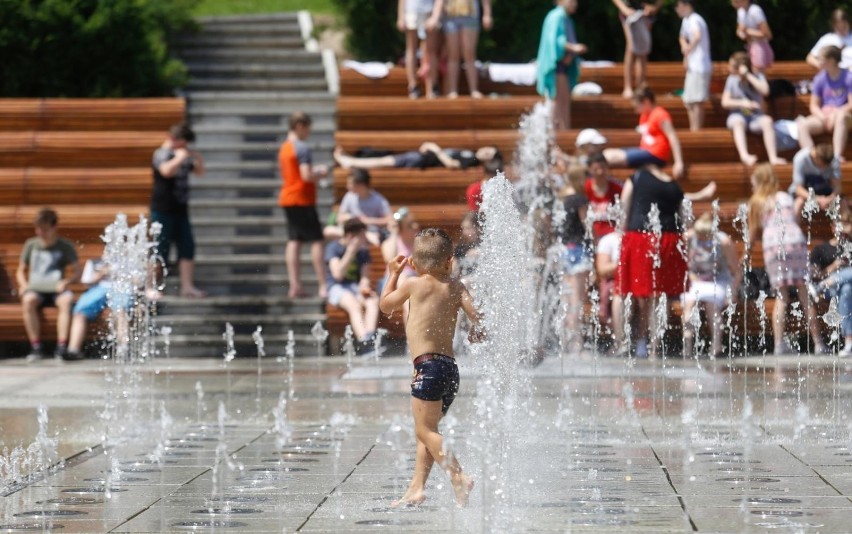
(298, 197)
(659, 140)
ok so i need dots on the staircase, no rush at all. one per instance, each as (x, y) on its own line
(247, 75)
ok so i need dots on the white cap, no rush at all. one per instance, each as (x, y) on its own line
(590, 136)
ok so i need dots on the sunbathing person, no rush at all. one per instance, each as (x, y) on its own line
(428, 155)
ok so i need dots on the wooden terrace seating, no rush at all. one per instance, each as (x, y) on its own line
(87, 158)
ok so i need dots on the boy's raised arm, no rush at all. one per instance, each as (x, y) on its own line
(394, 297)
(477, 333)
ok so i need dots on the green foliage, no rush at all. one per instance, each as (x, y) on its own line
(797, 24)
(90, 48)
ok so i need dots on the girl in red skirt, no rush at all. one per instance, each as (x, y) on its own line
(652, 263)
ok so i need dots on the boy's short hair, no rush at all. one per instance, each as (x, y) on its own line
(182, 132)
(644, 93)
(832, 52)
(432, 247)
(299, 118)
(353, 226)
(824, 152)
(46, 217)
(597, 157)
(689, 3)
(359, 176)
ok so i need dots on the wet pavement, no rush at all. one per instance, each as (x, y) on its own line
(743, 445)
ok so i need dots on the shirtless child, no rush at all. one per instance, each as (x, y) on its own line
(435, 300)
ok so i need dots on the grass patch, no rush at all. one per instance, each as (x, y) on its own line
(239, 7)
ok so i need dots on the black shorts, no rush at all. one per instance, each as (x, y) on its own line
(46, 300)
(436, 379)
(303, 224)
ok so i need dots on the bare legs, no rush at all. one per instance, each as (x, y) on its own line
(363, 313)
(690, 333)
(695, 113)
(427, 415)
(411, 61)
(738, 127)
(291, 258)
(462, 44)
(779, 314)
(635, 66)
(836, 124)
(186, 268)
(349, 162)
(562, 106)
(30, 303)
(576, 285)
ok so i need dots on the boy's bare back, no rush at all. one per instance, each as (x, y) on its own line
(434, 306)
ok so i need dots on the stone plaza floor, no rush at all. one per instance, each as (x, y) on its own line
(762, 445)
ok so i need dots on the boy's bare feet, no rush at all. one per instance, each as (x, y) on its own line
(627, 93)
(778, 161)
(322, 292)
(411, 498)
(462, 486)
(476, 95)
(749, 160)
(296, 292)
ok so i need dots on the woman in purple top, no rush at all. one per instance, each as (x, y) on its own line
(830, 104)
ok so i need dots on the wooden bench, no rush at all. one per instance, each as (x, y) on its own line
(430, 186)
(83, 223)
(662, 76)
(606, 111)
(712, 145)
(78, 149)
(40, 186)
(79, 114)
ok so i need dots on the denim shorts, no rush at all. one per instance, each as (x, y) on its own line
(337, 290)
(639, 157)
(436, 379)
(456, 24)
(95, 300)
(576, 259)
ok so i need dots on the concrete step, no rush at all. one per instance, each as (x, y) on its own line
(235, 185)
(200, 40)
(223, 282)
(240, 241)
(244, 304)
(215, 120)
(223, 152)
(225, 54)
(250, 169)
(256, 70)
(212, 346)
(251, 29)
(291, 17)
(244, 324)
(315, 83)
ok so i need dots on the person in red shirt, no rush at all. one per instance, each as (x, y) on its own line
(298, 197)
(659, 141)
(490, 168)
(601, 189)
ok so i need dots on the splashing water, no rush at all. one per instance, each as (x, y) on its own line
(320, 334)
(257, 337)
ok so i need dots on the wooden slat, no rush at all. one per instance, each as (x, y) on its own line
(90, 114)
(663, 77)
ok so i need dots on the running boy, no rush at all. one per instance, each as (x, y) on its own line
(435, 300)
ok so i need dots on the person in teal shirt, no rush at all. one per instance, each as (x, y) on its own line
(559, 61)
